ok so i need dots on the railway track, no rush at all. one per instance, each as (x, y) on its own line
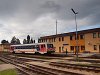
(29, 69)
(81, 67)
(86, 60)
(48, 58)
(20, 68)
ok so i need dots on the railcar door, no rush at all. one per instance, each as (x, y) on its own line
(11, 48)
(42, 48)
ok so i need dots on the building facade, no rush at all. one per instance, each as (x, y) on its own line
(4, 47)
(88, 41)
(92, 41)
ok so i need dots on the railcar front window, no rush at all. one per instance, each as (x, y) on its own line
(50, 45)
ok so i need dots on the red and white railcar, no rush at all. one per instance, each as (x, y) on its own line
(33, 48)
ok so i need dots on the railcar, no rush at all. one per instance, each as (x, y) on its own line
(41, 48)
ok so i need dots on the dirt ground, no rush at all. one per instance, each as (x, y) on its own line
(6, 66)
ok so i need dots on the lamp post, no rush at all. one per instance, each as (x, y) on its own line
(76, 32)
(56, 26)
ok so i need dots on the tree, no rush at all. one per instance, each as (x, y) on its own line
(28, 39)
(34, 41)
(24, 41)
(39, 40)
(18, 41)
(4, 42)
(15, 40)
(31, 41)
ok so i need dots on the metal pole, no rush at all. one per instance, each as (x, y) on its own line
(76, 38)
(56, 27)
(76, 33)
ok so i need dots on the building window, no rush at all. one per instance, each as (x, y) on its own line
(39, 40)
(54, 39)
(72, 47)
(76, 47)
(82, 47)
(94, 35)
(95, 47)
(98, 34)
(71, 37)
(42, 40)
(81, 36)
(60, 49)
(62, 38)
(46, 40)
(49, 40)
(59, 39)
(77, 37)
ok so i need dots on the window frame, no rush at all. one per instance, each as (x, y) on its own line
(95, 47)
(72, 47)
(98, 34)
(94, 35)
(82, 47)
(59, 39)
(62, 38)
(71, 37)
(82, 36)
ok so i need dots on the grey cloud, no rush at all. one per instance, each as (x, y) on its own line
(29, 10)
(1, 25)
(20, 15)
(51, 6)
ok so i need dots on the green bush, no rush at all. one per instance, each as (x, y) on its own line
(8, 72)
(1, 62)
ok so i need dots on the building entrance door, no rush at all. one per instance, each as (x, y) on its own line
(59, 49)
(99, 48)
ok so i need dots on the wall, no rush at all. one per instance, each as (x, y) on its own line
(81, 42)
(90, 42)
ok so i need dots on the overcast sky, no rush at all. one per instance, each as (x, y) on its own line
(38, 17)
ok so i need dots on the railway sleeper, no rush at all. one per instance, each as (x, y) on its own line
(23, 71)
(60, 71)
(40, 71)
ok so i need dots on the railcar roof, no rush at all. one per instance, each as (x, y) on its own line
(30, 44)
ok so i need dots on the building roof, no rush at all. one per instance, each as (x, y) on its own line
(72, 33)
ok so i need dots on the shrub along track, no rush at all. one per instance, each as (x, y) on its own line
(28, 69)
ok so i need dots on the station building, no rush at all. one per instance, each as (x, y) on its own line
(88, 41)
(4, 47)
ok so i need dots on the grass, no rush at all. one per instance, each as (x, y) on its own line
(83, 64)
(8, 72)
(96, 64)
(1, 62)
